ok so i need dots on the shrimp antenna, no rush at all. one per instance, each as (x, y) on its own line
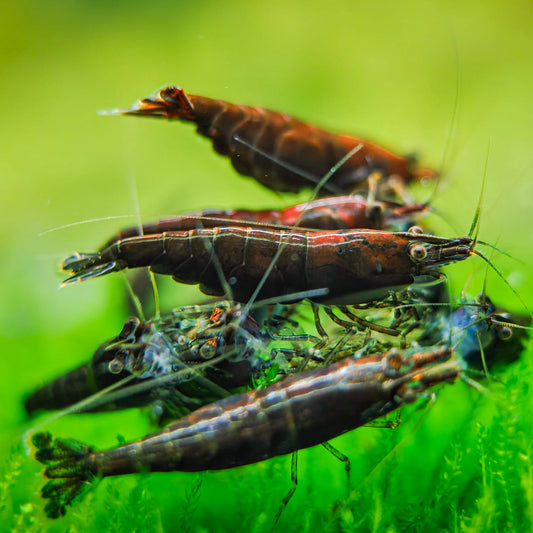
(510, 324)
(76, 407)
(136, 202)
(134, 298)
(475, 228)
(477, 214)
(500, 251)
(329, 175)
(155, 290)
(82, 222)
(290, 298)
(501, 276)
(485, 279)
(209, 246)
(477, 386)
(453, 122)
(478, 334)
(452, 126)
(482, 356)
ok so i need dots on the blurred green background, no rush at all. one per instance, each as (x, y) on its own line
(383, 70)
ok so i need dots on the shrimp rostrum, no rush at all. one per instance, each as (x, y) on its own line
(295, 413)
(352, 265)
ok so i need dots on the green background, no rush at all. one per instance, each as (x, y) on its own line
(384, 70)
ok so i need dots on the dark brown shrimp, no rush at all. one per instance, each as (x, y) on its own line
(354, 266)
(293, 414)
(201, 351)
(126, 361)
(485, 335)
(83, 381)
(336, 212)
(279, 151)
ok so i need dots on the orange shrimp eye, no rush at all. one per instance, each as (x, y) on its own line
(116, 366)
(418, 252)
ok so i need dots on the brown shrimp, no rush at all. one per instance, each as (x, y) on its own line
(202, 352)
(484, 335)
(336, 212)
(124, 363)
(83, 381)
(353, 266)
(296, 413)
(281, 152)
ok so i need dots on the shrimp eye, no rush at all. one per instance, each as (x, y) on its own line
(418, 252)
(167, 93)
(417, 230)
(208, 350)
(116, 366)
(505, 333)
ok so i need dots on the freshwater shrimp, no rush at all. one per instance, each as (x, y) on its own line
(484, 335)
(281, 152)
(331, 213)
(295, 413)
(354, 266)
(196, 354)
(322, 214)
(202, 352)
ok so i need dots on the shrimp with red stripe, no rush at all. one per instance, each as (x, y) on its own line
(354, 266)
(331, 213)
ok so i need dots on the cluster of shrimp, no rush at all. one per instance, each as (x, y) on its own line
(240, 378)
